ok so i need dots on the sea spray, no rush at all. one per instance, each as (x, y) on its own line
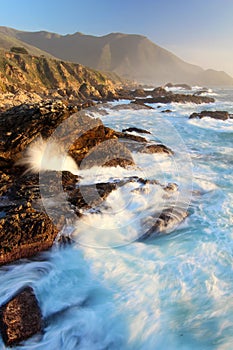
(42, 155)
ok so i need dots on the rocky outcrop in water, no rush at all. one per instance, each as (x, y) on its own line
(178, 98)
(221, 115)
(20, 318)
(25, 226)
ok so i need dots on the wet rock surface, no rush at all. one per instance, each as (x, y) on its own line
(20, 318)
(164, 222)
(156, 148)
(169, 97)
(221, 115)
(138, 130)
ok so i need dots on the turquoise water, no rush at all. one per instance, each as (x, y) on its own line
(172, 292)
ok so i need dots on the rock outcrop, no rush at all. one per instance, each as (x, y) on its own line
(20, 318)
(221, 115)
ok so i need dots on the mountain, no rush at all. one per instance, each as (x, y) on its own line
(46, 76)
(7, 41)
(131, 56)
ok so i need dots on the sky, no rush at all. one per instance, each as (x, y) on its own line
(198, 31)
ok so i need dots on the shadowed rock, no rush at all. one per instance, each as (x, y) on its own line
(178, 98)
(166, 222)
(138, 130)
(221, 115)
(159, 148)
(20, 318)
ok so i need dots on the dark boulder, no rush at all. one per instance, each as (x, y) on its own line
(141, 103)
(157, 148)
(221, 115)
(178, 98)
(138, 130)
(24, 232)
(166, 111)
(20, 318)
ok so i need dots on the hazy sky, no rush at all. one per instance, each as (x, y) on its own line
(199, 31)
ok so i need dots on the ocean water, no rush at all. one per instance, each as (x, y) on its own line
(111, 291)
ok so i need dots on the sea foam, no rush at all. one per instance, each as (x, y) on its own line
(42, 155)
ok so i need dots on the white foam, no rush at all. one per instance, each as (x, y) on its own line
(42, 155)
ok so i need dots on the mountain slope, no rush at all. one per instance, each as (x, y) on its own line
(131, 56)
(8, 41)
(49, 76)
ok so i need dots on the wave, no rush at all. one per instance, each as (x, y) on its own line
(42, 155)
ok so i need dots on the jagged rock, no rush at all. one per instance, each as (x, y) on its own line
(108, 153)
(141, 103)
(178, 98)
(20, 125)
(158, 148)
(221, 115)
(20, 318)
(138, 130)
(24, 232)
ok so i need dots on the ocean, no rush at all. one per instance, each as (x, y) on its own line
(110, 290)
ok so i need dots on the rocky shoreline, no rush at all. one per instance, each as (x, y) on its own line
(25, 226)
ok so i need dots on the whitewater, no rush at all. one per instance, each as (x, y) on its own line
(111, 291)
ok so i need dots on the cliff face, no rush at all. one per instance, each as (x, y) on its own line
(49, 76)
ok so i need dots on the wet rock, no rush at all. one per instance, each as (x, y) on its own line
(138, 130)
(125, 135)
(139, 93)
(160, 91)
(158, 148)
(20, 125)
(221, 115)
(164, 223)
(183, 86)
(20, 318)
(131, 106)
(108, 153)
(178, 98)
(24, 232)
(90, 196)
(166, 111)
(142, 104)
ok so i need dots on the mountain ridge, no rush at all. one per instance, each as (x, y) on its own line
(131, 56)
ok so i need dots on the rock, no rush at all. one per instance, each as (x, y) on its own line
(138, 130)
(166, 111)
(20, 318)
(24, 232)
(158, 148)
(20, 125)
(108, 153)
(90, 196)
(178, 98)
(141, 103)
(183, 86)
(125, 135)
(221, 115)
(159, 92)
(166, 222)
(139, 93)
(132, 106)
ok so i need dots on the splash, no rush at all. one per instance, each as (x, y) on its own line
(42, 155)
